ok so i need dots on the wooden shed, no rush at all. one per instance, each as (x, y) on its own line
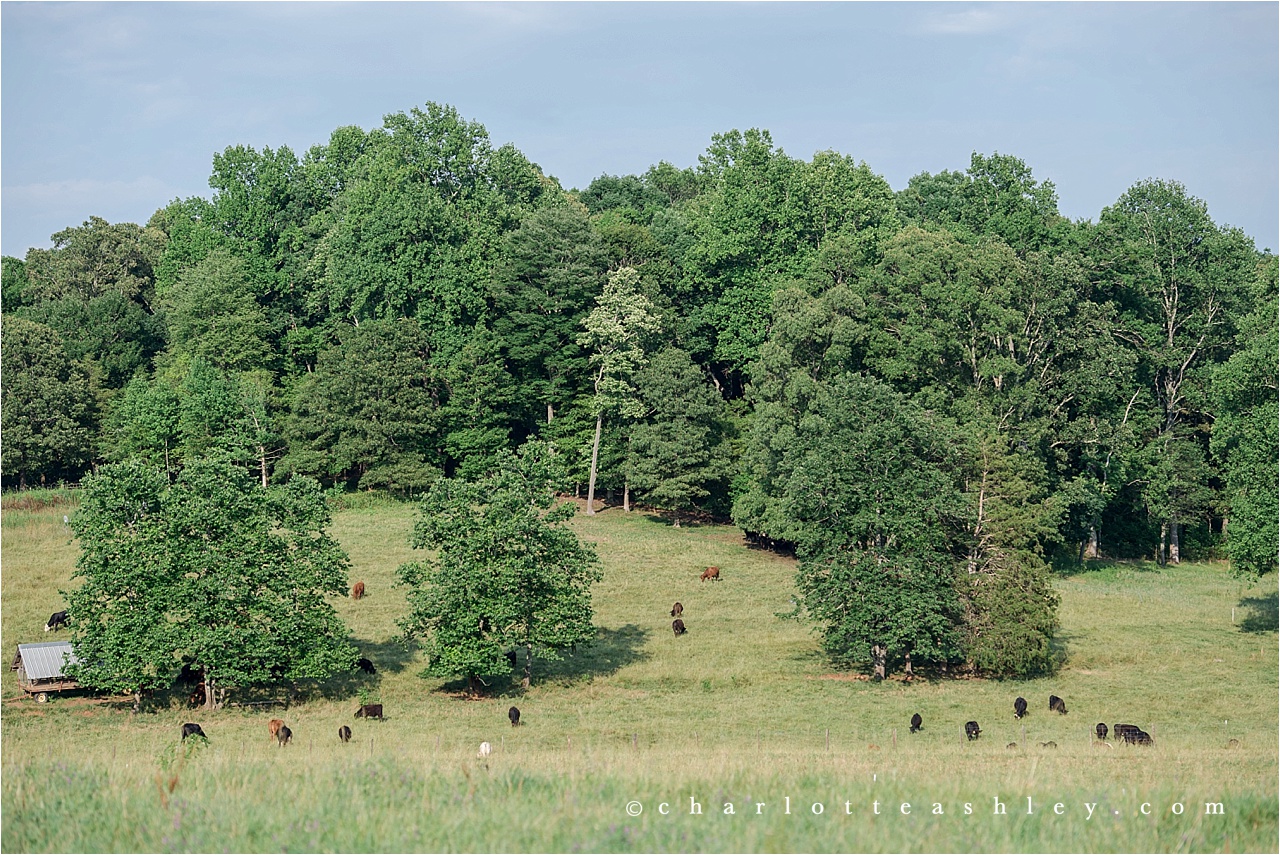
(39, 668)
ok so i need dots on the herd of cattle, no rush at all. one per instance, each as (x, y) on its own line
(279, 732)
(1128, 733)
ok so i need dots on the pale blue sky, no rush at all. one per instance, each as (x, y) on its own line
(114, 109)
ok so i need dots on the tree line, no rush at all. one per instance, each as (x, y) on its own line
(931, 395)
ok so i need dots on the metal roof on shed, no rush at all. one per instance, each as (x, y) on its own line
(44, 661)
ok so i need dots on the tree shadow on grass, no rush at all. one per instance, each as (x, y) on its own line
(1263, 613)
(391, 656)
(1066, 568)
(611, 650)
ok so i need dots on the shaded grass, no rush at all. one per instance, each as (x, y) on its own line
(742, 708)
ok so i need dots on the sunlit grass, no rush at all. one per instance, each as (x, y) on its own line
(743, 709)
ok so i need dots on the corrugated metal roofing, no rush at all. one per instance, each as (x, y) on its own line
(44, 661)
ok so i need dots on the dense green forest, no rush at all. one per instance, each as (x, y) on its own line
(951, 386)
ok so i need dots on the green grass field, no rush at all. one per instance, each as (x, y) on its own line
(741, 711)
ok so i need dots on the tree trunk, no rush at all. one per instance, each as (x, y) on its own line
(907, 667)
(675, 518)
(1164, 544)
(262, 464)
(137, 701)
(551, 413)
(595, 457)
(208, 691)
(528, 667)
(1175, 543)
(1094, 549)
(626, 497)
(878, 655)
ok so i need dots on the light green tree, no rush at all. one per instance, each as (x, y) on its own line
(615, 333)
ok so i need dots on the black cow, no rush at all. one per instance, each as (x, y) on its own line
(1138, 736)
(1121, 729)
(971, 730)
(511, 658)
(284, 735)
(1019, 707)
(370, 711)
(366, 666)
(1056, 705)
(677, 610)
(677, 626)
(1101, 730)
(344, 733)
(57, 620)
(514, 715)
(190, 729)
(916, 721)
(1049, 744)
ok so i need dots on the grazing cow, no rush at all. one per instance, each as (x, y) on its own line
(357, 590)
(1101, 730)
(1019, 707)
(712, 573)
(198, 697)
(366, 666)
(284, 735)
(1056, 705)
(1012, 745)
(514, 715)
(677, 610)
(1233, 743)
(1121, 729)
(485, 750)
(971, 730)
(677, 626)
(273, 727)
(1049, 744)
(511, 658)
(916, 721)
(190, 729)
(344, 733)
(370, 711)
(57, 620)
(1138, 736)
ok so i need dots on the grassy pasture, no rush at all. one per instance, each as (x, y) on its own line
(743, 710)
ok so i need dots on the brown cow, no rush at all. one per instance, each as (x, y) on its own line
(369, 711)
(284, 735)
(273, 727)
(677, 626)
(712, 573)
(344, 733)
(677, 610)
(357, 590)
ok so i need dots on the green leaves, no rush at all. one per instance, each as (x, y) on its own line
(508, 572)
(48, 408)
(211, 570)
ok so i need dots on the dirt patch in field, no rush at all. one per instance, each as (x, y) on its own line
(843, 678)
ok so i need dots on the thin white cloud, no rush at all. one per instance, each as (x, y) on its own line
(968, 22)
(86, 194)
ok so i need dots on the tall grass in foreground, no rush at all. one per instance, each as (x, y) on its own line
(343, 800)
(743, 710)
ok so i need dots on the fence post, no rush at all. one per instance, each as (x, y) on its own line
(828, 739)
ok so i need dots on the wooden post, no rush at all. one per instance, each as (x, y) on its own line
(828, 739)
(633, 741)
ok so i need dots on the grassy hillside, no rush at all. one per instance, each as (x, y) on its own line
(742, 710)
